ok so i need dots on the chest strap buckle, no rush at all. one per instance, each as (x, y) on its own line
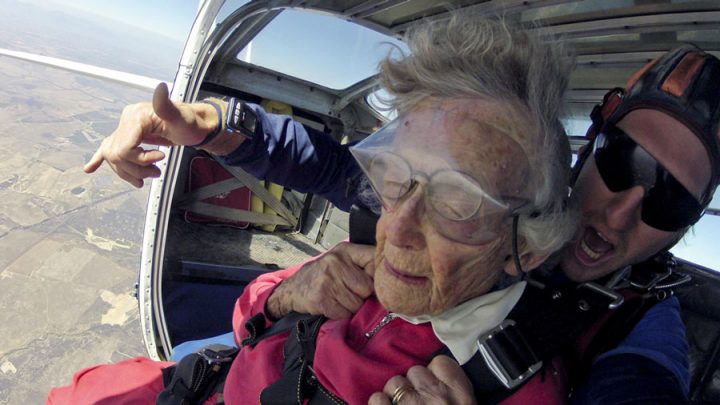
(507, 355)
(614, 298)
(218, 354)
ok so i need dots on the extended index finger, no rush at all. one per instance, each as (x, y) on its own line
(95, 161)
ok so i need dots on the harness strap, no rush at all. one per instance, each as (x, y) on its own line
(608, 332)
(257, 330)
(543, 323)
(298, 381)
(362, 222)
(197, 376)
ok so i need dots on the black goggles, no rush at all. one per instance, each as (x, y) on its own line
(667, 204)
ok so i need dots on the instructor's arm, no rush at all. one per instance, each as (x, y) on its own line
(161, 122)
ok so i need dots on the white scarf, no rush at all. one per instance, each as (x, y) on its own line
(459, 327)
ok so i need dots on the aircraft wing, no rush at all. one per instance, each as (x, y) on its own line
(141, 82)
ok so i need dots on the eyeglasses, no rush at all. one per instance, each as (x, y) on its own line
(459, 208)
(667, 204)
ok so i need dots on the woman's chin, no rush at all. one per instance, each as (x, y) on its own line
(398, 305)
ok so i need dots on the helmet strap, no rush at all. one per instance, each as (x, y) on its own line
(599, 115)
(515, 253)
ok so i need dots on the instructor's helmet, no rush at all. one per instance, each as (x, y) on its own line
(683, 83)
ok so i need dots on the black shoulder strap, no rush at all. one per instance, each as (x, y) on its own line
(362, 222)
(257, 331)
(197, 376)
(200, 375)
(544, 322)
(608, 333)
(298, 382)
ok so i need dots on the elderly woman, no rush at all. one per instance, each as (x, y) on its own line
(472, 175)
(475, 159)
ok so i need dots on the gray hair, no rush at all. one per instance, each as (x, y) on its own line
(474, 57)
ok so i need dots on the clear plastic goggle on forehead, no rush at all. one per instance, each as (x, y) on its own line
(461, 207)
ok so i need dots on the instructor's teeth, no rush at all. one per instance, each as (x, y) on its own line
(589, 251)
(601, 236)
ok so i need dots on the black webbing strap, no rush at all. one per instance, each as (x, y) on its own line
(543, 324)
(200, 375)
(298, 381)
(197, 376)
(361, 225)
(257, 331)
(609, 335)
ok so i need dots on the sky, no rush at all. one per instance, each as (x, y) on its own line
(171, 18)
(348, 56)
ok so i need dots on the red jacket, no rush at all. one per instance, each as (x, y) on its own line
(347, 363)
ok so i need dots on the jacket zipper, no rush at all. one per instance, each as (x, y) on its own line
(386, 320)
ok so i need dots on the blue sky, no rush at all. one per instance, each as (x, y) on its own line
(171, 18)
(348, 56)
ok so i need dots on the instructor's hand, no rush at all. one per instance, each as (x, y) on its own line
(161, 122)
(441, 382)
(334, 285)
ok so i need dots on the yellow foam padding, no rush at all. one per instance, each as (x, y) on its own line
(276, 190)
(276, 107)
(256, 203)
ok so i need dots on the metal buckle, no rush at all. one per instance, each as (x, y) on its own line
(217, 354)
(669, 283)
(657, 277)
(615, 298)
(495, 365)
(649, 275)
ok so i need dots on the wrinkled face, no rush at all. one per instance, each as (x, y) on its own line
(611, 233)
(417, 269)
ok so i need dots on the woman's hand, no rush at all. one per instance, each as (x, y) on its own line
(441, 382)
(334, 285)
(161, 122)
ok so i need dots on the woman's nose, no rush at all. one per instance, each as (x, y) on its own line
(405, 221)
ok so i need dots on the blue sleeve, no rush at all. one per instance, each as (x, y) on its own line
(629, 379)
(630, 372)
(286, 152)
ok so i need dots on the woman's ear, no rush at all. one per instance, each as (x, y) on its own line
(528, 260)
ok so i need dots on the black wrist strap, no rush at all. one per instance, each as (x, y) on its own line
(212, 135)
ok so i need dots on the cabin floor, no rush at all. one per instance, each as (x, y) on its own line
(222, 245)
(207, 267)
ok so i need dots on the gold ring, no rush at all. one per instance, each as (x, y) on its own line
(399, 392)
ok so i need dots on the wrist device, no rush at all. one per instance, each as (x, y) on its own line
(212, 135)
(240, 119)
